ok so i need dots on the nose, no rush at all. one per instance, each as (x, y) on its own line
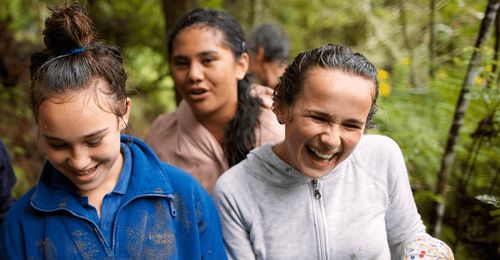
(331, 137)
(78, 159)
(195, 73)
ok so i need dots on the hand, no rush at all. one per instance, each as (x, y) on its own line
(264, 93)
(427, 248)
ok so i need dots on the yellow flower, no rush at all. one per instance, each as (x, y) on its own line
(384, 88)
(487, 68)
(383, 74)
(406, 61)
(479, 81)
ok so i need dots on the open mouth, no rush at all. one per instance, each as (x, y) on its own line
(86, 172)
(319, 155)
(198, 91)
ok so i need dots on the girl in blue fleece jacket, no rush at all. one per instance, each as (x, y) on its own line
(101, 194)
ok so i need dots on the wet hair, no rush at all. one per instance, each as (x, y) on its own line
(239, 137)
(73, 58)
(330, 56)
(272, 39)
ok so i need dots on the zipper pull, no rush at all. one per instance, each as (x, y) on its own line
(317, 194)
(170, 199)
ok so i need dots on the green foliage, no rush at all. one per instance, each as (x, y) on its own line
(419, 119)
(130, 23)
(150, 85)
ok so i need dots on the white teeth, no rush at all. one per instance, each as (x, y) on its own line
(325, 156)
(86, 172)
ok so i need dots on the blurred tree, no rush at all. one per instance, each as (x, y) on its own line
(432, 40)
(461, 108)
(408, 44)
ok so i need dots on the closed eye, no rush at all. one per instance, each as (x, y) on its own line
(318, 118)
(95, 142)
(58, 146)
(353, 126)
(207, 60)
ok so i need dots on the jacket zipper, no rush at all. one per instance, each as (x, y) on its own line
(320, 220)
(316, 192)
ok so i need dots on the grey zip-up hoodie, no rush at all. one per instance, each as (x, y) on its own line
(363, 209)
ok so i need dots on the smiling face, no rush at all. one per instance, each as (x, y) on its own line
(325, 122)
(206, 72)
(81, 140)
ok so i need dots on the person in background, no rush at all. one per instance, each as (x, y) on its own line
(328, 191)
(101, 194)
(7, 181)
(269, 48)
(219, 119)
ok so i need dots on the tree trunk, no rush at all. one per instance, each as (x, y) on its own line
(461, 108)
(14, 66)
(494, 67)
(246, 12)
(407, 43)
(173, 10)
(432, 41)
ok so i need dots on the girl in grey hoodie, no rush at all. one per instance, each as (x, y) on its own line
(327, 191)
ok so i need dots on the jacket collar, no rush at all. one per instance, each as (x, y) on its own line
(148, 178)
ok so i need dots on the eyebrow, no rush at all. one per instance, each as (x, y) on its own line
(200, 54)
(355, 121)
(97, 132)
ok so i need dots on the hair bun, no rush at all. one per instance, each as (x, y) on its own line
(68, 28)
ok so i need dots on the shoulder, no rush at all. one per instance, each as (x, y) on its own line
(163, 122)
(379, 155)
(4, 155)
(182, 182)
(246, 175)
(21, 211)
(178, 175)
(233, 176)
(377, 145)
(233, 179)
(162, 126)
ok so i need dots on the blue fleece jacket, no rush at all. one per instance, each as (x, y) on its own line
(7, 181)
(165, 214)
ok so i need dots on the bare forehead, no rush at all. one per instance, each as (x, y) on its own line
(334, 74)
(209, 33)
(319, 81)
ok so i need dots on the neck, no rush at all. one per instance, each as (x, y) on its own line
(216, 125)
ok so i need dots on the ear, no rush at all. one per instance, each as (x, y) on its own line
(260, 54)
(123, 122)
(242, 66)
(283, 114)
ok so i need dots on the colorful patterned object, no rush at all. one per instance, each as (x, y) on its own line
(427, 248)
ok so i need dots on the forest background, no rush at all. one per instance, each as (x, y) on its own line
(438, 75)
